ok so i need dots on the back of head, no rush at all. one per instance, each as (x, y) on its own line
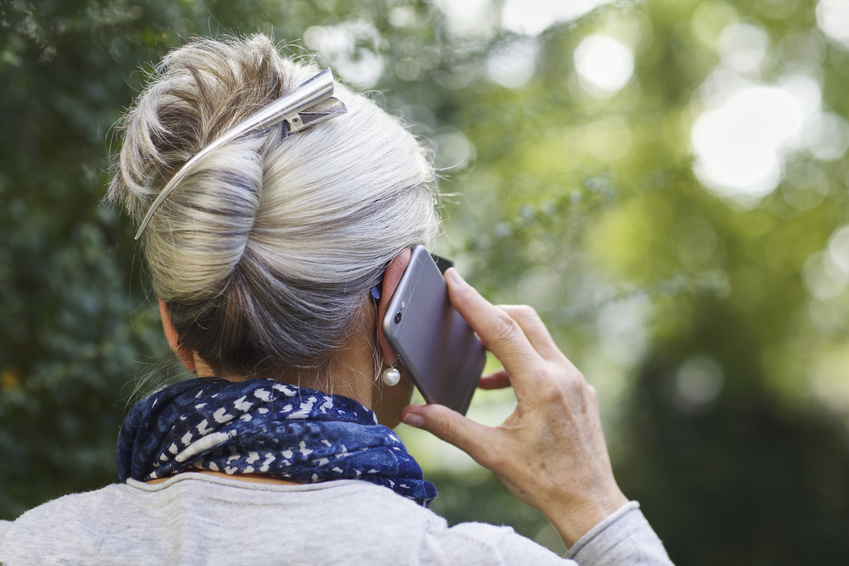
(266, 251)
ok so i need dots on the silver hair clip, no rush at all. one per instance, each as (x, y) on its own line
(309, 104)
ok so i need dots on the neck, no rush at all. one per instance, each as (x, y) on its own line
(350, 373)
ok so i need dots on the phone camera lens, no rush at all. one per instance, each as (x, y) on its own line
(398, 317)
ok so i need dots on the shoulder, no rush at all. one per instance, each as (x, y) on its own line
(412, 530)
(332, 523)
(57, 511)
(77, 517)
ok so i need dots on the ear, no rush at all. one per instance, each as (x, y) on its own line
(391, 278)
(186, 357)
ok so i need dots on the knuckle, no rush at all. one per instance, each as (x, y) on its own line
(504, 327)
(522, 313)
(449, 432)
(552, 383)
(579, 387)
(560, 383)
(527, 312)
(448, 435)
(550, 374)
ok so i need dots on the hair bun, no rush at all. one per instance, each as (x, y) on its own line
(266, 251)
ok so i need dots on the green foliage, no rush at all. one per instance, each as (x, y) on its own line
(721, 371)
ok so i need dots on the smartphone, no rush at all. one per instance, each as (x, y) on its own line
(436, 346)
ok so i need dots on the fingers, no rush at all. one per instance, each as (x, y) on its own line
(453, 428)
(502, 334)
(499, 379)
(535, 330)
(515, 334)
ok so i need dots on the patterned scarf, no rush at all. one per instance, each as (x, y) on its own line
(264, 426)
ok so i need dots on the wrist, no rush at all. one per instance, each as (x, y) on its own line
(574, 520)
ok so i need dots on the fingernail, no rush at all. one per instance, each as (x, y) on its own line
(454, 276)
(414, 419)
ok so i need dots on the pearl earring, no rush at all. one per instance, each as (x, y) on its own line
(391, 376)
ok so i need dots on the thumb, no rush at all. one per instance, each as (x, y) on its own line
(450, 426)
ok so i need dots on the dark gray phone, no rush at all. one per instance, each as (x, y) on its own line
(437, 347)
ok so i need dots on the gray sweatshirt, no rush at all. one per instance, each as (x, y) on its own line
(199, 519)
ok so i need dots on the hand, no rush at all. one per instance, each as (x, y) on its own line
(550, 452)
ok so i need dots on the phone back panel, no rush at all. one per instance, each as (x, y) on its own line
(437, 347)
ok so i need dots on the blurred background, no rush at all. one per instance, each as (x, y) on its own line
(666, 181)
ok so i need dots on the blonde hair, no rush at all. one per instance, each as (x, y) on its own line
(266, 252)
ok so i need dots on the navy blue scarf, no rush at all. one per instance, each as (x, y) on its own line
(268, 427)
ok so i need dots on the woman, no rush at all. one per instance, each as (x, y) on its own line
(277, 222)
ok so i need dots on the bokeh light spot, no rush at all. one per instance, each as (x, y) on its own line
(823, 278)
(350, 48)
(743, 47)
(513, 64)
(605, 63)
(468, 18)
(833, 20)
(532, 17)
(698, 382)
(454, 151)
(738, 145)
(838, 248)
